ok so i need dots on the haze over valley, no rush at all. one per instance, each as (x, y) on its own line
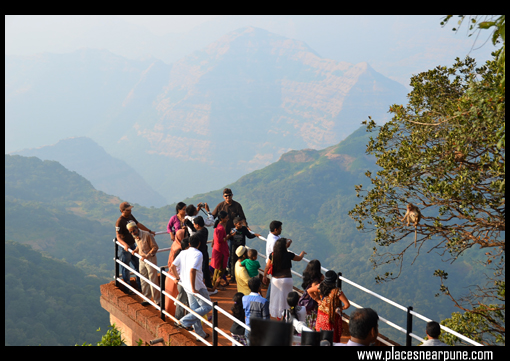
(105, 109)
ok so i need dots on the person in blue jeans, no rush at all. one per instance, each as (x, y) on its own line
(127, 243)
(189, 262)
(126, 257)
(254, 305)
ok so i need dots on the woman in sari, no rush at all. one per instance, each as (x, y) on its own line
(330, 299)
(170, 286)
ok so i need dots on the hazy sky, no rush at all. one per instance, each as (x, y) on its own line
(398, 46)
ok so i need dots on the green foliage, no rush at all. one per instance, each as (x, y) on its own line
(440, 153)
(112, 337)
(478, 323)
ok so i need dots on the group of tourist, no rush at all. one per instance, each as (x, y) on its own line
(319, 308)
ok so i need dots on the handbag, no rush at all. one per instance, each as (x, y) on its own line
(307, 302)
(270, 268)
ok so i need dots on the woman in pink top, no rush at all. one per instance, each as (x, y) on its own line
(175, 223)
(220, 253)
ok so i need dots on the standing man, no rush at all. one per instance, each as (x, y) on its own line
(146, 247)
(275, 230)
(190, 265)
(128, 242)
(233, 209)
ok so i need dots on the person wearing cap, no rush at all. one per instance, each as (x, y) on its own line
(128, 242)
(234, 210)
(146, 247)
(241, 274)
(332, 302)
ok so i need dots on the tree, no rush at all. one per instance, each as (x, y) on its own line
(440, 152)
(477, 23)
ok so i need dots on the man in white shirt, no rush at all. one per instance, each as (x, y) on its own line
(275, 229)
(190, 265)
(433, 330)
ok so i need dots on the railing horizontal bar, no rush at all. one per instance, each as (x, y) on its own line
(233, 318)
(228, 337)
(447, 329)
(394, 325)
(373, 293)
(138, 293)
(416, 337)
(139, 275)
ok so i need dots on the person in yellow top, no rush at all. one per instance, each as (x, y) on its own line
(146, 247)
(241, 274)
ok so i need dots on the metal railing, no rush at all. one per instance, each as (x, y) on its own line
(214, 325)
(409, 310)
(161, 288)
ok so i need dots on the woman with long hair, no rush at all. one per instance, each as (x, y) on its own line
(281, 281)
(332, 302)
(312, 276)
(220, 252)
(236, 330)
(176, 221)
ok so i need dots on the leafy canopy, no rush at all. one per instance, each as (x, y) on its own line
(441, 153)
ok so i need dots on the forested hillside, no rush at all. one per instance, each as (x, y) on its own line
(49, 302)
(58, 251)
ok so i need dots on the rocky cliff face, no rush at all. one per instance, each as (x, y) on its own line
(214, 115)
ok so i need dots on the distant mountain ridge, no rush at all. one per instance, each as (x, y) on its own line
(106, 173)
(213, 116)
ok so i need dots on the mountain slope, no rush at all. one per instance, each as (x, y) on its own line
(215, 115)
(49, 302)
(244, 100)
(107, 174)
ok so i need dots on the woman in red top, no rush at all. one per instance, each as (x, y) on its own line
(220, 252)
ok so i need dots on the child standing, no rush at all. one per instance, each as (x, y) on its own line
(251, 264)
(237, 331)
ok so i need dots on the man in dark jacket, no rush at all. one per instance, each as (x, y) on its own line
(233, 209)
